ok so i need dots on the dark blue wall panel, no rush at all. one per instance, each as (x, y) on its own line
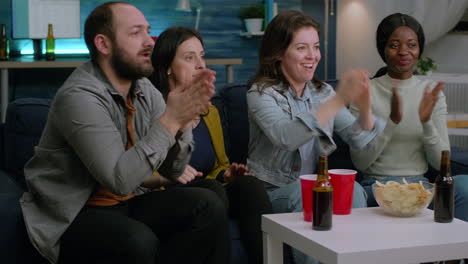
(219, 26)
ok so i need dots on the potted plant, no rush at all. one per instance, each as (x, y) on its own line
(425, 66)
(253, 17)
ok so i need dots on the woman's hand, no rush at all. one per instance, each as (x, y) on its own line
(363, 102)
(234, 171)
(189, 174)
(353, 85)
(428, 101)
(396, 113)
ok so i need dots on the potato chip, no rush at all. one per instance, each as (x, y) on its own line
(403, 199)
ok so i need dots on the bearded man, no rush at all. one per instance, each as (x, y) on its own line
(108, 132)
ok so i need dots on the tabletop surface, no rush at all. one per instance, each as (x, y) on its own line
(368, 234)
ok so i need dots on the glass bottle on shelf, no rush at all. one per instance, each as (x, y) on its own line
(50, 44)
(4, 44)
(323, 198)
(444, 191)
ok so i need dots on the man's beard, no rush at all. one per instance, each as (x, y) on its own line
(127, 69)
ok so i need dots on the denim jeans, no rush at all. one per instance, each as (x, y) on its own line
(461, 192)
(288, 199)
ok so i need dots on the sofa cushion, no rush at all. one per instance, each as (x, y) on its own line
(459, 160)
(232, 104)
(10, 227)
(25, 120)
(2, 146)
(8, 185)
(14, 241)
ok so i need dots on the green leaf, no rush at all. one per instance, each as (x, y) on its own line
(254, 11)
(424, 65)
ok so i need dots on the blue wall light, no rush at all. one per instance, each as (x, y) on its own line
(62, 46)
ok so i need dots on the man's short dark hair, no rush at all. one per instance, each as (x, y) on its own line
(99, 22)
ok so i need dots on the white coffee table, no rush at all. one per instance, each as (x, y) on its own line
(365, 236)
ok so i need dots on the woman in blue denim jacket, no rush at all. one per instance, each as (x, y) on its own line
(292, 114)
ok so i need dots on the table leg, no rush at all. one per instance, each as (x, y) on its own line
(229, 74)
(4, 94)
(272, 250)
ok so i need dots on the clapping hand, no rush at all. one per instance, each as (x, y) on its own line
(354, 88)
(396, 113)
(428, 101)
(363, 102)
(187, 101)
(357, 91)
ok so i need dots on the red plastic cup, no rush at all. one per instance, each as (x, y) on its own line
(343, 187)
(307, 184)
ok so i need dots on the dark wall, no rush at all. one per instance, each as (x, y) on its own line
(219, 26)
(315, 8)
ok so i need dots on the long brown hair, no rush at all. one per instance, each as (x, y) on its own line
(278, 35)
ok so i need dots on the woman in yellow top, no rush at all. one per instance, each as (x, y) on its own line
(178, 60)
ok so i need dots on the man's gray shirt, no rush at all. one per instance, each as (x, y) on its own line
(83, 147)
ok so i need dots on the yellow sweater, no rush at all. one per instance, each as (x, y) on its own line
(213, 122)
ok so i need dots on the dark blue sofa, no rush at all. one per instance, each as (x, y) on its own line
(21, 131)
(232, 104)
(25, 121)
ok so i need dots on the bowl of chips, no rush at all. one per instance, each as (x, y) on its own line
(403, 198)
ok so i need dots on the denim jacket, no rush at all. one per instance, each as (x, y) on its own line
(279, 130)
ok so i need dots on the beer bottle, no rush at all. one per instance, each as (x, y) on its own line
(323, 198)
(444, 191)
(4, 47)
(50, 44)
